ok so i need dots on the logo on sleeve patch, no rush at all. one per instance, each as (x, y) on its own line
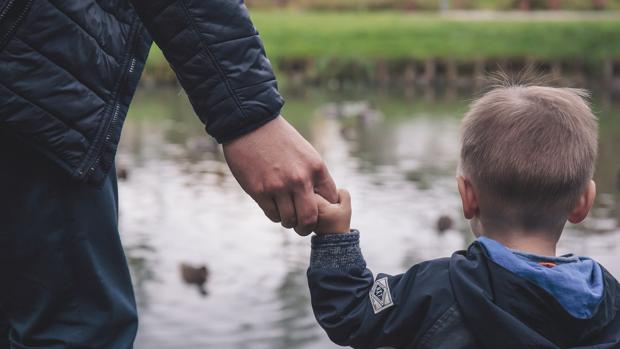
(380, 296)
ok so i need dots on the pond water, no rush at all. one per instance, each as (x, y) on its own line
(180, 204)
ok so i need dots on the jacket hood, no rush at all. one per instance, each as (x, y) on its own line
(575, 282)
(508, 300)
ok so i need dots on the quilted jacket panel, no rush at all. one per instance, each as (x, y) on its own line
(69, 68)
(67, 74)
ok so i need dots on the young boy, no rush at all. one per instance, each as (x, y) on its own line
(526, 166)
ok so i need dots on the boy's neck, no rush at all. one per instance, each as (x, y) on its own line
(526, 242)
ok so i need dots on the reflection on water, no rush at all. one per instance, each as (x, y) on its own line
(179, 204)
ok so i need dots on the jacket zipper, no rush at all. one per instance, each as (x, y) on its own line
(108, 136)
(25, 5)
(6, 9)
(132, 66)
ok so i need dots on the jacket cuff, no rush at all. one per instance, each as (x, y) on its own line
(337, 251)
(234, 134)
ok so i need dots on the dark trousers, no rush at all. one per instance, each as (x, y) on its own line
(64, 281)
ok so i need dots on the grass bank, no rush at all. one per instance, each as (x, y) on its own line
(366, 37)
(433, 5)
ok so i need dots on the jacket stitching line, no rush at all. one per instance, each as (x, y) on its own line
(211, 57)
(111, 14)
(158, 12)
(438, 324)
(84, 30)
(226, 81)
(38, 51)
(201, 84)
(10, 28)
(215, 104)
(233, 39)
(200, 50)
(182, 64)
(100, 141)
(253, 85)
(29, 101)
(46, 151)
(175, 36)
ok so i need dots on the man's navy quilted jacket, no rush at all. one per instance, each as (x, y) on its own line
(69, 68)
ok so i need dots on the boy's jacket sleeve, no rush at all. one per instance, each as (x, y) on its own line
(219, 60)
(358, 310)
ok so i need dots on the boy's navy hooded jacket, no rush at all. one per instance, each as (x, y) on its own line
(69, 68)
(485, 297)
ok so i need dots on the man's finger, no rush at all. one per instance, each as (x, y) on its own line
(286, 208)
(307, 212)
(268, 206)
(325, 186)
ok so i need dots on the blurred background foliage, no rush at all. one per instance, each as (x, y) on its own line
(365, 45)
(431, 41)
(437, 4)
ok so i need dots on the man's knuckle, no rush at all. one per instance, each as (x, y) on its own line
(255, 190)
(304, 222)
(298, 179)
(307, 222)
(317, 166)
(273, 186)
(310, 215)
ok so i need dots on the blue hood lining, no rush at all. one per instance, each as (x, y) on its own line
(575, 282)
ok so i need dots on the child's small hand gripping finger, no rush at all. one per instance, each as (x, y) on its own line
(334, 218)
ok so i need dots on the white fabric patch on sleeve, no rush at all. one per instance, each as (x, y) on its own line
(380, 296)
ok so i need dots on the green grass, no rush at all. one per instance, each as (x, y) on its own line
(368, 36)
(426, 4)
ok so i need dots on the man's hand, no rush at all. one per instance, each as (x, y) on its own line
(334, 218)
(282, 172)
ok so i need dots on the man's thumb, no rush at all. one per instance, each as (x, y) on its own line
(322, 203)
(344, 198)
(326, 187)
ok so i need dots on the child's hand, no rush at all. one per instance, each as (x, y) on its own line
(334, 218)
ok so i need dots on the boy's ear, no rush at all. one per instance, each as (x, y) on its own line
(468, 197)
(584, 204)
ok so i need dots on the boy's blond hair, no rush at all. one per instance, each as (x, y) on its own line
(530, 152)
